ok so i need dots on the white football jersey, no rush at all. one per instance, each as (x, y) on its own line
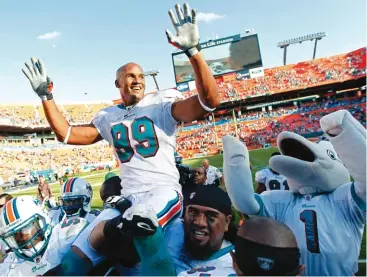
(56, 215)
(219, 264)
(62, 237)
(328, 227)
(271, 180)
(143, 137)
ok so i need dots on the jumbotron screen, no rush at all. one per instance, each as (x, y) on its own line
(223, 56)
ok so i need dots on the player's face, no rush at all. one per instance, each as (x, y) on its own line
(204, 230)
(131, 83)
(205, 164)
(24, 236)
(199, 176)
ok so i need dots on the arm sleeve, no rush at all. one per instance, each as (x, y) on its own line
(218, 173)
(274, 203)
(352, 206)
(100, 121)
(154, 255)
(82, 242)
(168, 98)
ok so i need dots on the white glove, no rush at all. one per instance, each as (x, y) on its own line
(187, 37)
(140, 220)
(37, 76)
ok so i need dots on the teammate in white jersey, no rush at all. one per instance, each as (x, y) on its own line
(36, 247)
(269, 179)
(75, 201)
(325, 211)
(142, 130)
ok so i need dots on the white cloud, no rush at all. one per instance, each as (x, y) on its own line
(209, 17)
(51, 35)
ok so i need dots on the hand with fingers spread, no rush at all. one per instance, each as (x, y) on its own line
(37, 76)
(185, 24)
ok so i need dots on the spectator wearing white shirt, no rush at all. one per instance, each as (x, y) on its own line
(213, 174)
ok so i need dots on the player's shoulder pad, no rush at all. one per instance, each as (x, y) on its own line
(109, 110)
(70, 227)
(171, 93)
(94, 212)
(279, 196)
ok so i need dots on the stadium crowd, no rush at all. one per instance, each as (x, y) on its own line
(257, 129)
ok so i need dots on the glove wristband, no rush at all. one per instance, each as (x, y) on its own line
(47, 97)
(193, 51)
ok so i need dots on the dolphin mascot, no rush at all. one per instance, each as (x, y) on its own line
(324, 208)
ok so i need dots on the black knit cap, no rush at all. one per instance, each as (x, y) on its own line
(212, 197)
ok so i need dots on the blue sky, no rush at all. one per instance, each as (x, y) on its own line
(88, 40)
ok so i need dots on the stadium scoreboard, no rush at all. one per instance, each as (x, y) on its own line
(240, 54)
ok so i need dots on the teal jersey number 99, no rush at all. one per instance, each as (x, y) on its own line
(142, 130)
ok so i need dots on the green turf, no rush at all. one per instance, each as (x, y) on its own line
(258, 158)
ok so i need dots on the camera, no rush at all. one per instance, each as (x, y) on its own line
(183, 169)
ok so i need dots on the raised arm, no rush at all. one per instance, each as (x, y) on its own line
(187, 39)
(348, 137)
(42, 85)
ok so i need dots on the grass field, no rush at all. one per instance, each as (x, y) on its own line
(259, 158)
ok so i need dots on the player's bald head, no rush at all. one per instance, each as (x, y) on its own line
(267, 231)
(122, 69)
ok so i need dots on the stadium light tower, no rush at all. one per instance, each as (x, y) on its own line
(153, 73)
(286, 43)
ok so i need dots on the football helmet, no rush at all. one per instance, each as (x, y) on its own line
(25, 228)
(76, 197)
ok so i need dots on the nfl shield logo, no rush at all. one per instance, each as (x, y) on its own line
(265, 263)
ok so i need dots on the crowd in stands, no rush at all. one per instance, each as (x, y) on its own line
(18, 159)
(295, 76)
(33, 115)
(263, 127)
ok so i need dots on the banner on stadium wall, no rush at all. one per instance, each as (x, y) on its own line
(242, 75)
(257, 72)
(183, 87)
(220, 41)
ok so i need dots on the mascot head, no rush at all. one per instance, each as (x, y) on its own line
(309, 167)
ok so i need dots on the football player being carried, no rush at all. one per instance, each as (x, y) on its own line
(36, 247)
(269, 179)
(142, 130)
(75, 201)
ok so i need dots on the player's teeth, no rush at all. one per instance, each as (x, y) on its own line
(199, 233)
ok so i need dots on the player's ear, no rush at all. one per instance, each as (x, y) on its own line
(117, 84)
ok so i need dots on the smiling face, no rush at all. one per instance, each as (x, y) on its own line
(204, 230)
(130, 80)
